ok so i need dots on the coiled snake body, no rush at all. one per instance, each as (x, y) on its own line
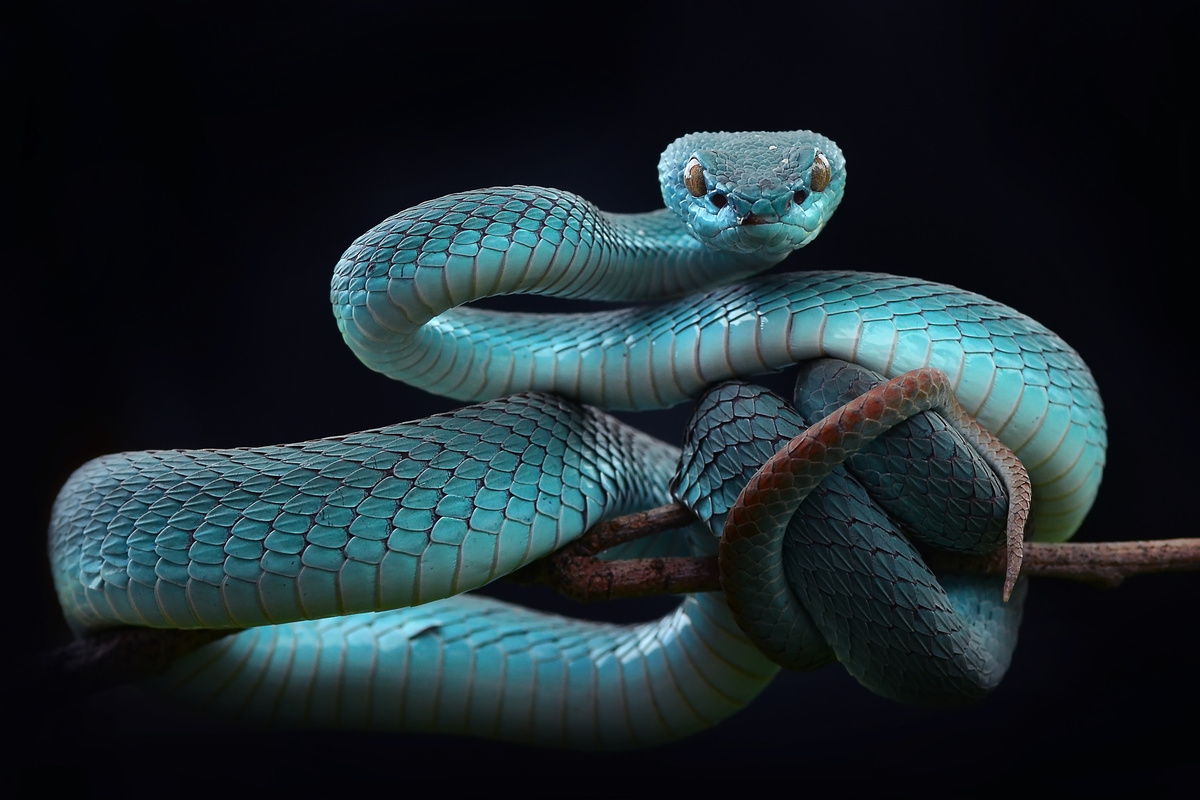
(345, 556)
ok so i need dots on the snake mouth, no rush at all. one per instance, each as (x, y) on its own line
(771, 238)
(756, 219)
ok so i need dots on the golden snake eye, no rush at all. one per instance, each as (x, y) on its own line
(693, 178)
(821, 173)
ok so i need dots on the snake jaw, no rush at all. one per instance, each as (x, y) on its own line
(767, 223)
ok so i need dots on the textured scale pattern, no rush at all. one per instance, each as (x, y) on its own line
(286, 537)
(1021, 381)
(922, 472)
(384, 518)
(472, 665)
(849, 581)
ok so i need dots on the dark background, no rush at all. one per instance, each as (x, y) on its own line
(181, 178)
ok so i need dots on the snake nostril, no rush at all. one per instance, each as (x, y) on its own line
(718, 199)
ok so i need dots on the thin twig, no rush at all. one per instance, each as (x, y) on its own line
(1101, 563)
(574, 571)
(116, 656)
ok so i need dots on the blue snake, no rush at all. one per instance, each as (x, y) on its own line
(347, 558)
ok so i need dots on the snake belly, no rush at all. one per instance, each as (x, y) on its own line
(269, 535)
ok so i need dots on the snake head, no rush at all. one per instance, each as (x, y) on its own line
(765, 193)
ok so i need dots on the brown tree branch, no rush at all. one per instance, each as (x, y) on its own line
(574, 570)
(111, 657)
(1101, 563)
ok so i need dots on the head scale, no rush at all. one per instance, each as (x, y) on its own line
(755, 192)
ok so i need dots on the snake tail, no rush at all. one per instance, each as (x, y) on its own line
(777, 559)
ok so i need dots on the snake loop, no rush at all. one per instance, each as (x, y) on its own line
(911, 603)
(348, 554)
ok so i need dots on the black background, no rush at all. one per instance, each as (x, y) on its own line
(185, 175)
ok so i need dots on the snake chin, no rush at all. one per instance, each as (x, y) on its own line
(772, 240)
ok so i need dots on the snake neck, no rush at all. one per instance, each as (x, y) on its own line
(419, 264)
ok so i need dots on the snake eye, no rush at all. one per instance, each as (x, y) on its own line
(821, 173)
(693, 178)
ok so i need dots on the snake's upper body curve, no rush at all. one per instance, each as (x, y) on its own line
(405, 515)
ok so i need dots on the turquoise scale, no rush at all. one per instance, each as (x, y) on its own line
(295, 541)
(385, 518)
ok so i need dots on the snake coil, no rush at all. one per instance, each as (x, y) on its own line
(346, 557)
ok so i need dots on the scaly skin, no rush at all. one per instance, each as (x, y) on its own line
(397, 289)
(853, 576)
(379, 519)
(418, 511)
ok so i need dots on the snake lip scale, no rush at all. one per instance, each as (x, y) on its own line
(348, 558)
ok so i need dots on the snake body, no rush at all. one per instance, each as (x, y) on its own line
(406, 517)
